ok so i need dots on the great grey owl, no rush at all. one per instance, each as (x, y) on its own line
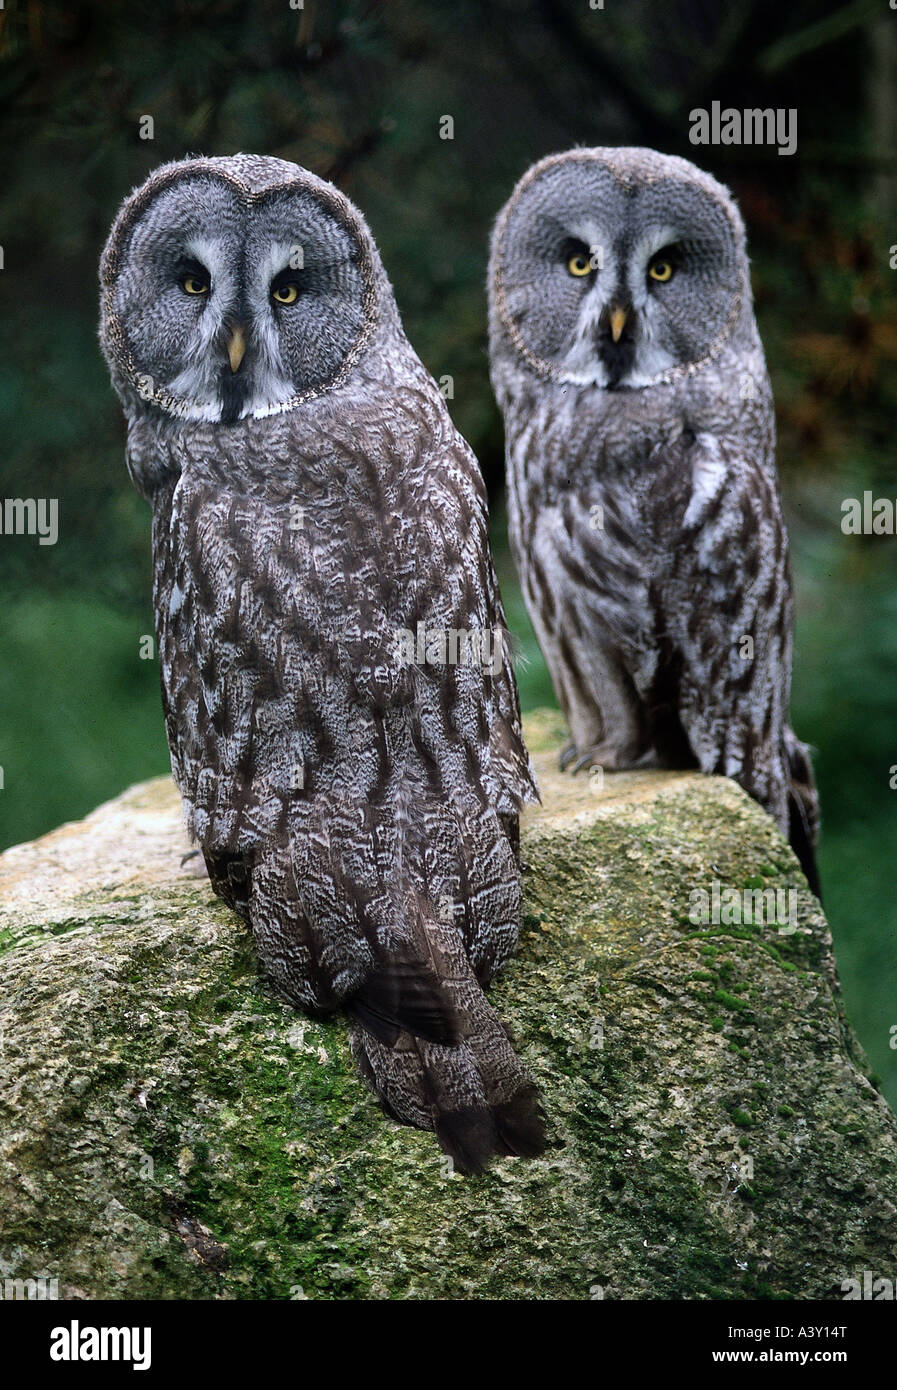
(342, 717)
(643, 501)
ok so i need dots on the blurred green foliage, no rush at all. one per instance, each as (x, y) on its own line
(356, 91)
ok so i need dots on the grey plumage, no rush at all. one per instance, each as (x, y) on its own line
(643, 502)
(309, 503)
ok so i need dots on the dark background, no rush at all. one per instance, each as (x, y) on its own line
(355, 91)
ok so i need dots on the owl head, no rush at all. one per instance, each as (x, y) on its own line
(617, 268)
(236, 287)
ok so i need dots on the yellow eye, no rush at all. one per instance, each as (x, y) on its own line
(193, 284)
(660, 270)
(579, 265)
(286, 294)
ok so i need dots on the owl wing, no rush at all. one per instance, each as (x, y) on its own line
(471, 775)
(466, 596)
(466, 710)
(723, 616)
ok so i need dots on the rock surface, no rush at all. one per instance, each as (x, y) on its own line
(169, 1129)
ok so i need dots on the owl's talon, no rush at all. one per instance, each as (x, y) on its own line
(601, 755)
(566, 756)
(590, 760)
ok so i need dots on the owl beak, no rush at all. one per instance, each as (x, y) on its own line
(618, 317)
(236, 348)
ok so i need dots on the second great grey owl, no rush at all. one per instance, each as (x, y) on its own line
(342, 716)
(643, 501)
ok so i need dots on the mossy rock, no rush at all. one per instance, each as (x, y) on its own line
(169, 1129)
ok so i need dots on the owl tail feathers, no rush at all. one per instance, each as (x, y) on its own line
(472, 1137)
(803, 809)
(441, 1088)
(434, 1051)
(474, 1094)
